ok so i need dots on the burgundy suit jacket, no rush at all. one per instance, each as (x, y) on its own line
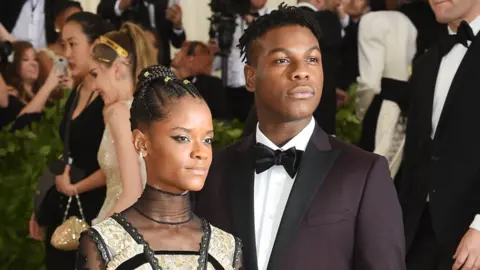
(342, 213)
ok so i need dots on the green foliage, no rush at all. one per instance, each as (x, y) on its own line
(24, 155)
(226, 133)
(348, 126)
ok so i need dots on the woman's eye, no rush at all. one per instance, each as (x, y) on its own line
(181, 138)
(209, 140)
(313, 59)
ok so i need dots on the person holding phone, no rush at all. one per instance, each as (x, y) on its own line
(164, 16)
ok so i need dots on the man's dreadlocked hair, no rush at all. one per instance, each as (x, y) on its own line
(283, 16)
(157, 88)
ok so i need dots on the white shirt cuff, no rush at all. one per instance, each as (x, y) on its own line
(177, 32)
(476, 223)
(117, 9)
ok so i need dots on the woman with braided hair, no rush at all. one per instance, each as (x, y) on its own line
(120, 56)
(172, 131)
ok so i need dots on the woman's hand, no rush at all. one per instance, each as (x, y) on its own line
(63, 184)
(52, 80)
(36, 232)
(66, 80)
(116, 111)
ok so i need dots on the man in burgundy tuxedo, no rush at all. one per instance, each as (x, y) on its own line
(297, 197)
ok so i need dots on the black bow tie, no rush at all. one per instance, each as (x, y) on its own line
(267, 157)
(464, 34)
(255, 14)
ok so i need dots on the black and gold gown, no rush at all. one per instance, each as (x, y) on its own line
(139, 238)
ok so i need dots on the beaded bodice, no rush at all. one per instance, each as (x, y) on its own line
(119, 243)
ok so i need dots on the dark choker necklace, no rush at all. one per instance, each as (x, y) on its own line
(166, 192)
(164, 207)
(190, 217)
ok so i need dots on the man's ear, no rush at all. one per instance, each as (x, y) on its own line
(140, 142)
(249, 72)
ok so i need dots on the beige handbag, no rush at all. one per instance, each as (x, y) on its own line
(66, 236)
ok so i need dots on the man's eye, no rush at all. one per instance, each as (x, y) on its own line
(281, 61)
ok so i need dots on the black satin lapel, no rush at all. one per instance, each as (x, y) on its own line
(243, 205)
(313, 170)
(466, 73)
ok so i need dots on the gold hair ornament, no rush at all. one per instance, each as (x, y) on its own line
(112, 44)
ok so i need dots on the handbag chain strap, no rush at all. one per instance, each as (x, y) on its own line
(79, 208)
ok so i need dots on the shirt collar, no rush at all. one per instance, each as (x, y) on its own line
(475, 25)
(308, 5)
(300, 141)
(262, 11)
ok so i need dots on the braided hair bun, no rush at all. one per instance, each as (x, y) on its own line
(152, 73)
(157, 88)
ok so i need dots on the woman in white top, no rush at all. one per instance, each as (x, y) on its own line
(387, 45)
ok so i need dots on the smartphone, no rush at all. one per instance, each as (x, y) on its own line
(61, 65)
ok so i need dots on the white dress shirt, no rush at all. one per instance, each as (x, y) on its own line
(448, 68)
(271, 190)
(345, 21)
(235, 74)
(30, 25)
(151, 15)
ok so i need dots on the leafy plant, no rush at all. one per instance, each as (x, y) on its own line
(348, 126)
(24, 155)
(226, 133)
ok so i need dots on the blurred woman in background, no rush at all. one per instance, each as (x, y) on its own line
(26, 95)
(120, 56)
(47, 57)
(86, 129)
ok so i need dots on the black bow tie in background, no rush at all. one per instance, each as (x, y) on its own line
(267, 157)
(255, 14)
(464, 34)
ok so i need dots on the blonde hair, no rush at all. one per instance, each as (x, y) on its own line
(133, 40)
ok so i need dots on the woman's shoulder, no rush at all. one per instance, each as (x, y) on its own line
(113, 233)
(114, 238)
(225, 247)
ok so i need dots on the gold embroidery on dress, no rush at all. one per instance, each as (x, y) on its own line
(123, 247)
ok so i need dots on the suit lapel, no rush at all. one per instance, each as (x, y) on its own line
(467, 66)
(316, 163)
(242, 200)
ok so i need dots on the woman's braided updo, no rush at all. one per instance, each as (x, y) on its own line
(156, 90)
